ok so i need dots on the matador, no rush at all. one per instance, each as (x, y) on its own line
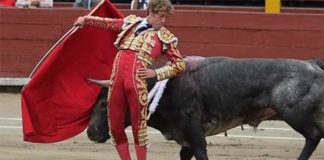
(139, 44)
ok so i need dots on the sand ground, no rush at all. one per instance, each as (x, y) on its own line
(273, 140)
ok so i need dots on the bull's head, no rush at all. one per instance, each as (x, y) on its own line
(98, 129)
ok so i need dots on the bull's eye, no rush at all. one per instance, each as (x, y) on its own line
(103, 106)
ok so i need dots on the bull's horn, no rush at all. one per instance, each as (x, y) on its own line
(104, 83)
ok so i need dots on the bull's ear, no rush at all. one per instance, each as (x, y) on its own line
(104, 83)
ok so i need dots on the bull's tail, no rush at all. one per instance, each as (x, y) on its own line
(319, 111)
(319, 117)
(317, 61)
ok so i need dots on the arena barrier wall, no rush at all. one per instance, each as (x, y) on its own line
(26, 34)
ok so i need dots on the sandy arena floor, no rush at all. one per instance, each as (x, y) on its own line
(272, 141)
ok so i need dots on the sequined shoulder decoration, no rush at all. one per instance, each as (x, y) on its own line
(131, 19)
(166, 36)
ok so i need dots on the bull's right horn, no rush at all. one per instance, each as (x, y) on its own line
(104, 83)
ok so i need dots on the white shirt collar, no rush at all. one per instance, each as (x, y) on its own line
(141, 24)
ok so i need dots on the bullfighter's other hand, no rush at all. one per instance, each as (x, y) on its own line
(145, 73)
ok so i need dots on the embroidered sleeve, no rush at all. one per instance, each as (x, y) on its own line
(171, 51)
(110, 24)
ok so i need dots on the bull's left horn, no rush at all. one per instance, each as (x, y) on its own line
(104, 83)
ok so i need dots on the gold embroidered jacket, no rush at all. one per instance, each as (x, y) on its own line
(150, 44)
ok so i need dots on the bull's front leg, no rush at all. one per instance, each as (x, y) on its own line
(186, 153)
(194, 136)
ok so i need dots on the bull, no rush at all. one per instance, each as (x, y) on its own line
(219, 93)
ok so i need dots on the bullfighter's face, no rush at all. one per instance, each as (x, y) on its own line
(158, 19)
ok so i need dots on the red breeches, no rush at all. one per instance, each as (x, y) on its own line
(127, 91)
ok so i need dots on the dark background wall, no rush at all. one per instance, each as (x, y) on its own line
(26, 34)
(284, 3)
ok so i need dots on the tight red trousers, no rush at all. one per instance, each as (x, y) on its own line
(127, 91)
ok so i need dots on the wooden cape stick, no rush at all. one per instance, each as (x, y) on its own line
(71, 31)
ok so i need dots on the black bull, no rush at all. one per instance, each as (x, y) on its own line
(220, 93)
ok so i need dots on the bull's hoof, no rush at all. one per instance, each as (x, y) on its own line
(101, 141)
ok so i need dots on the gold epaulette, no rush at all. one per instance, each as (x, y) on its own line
(131, 19)
(166, 36)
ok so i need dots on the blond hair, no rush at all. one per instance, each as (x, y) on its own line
(160, 6)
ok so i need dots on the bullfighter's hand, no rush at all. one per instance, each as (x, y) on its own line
(80, 22)
(145, 73)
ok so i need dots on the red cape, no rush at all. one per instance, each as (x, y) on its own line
(57, 102)
(7, 3)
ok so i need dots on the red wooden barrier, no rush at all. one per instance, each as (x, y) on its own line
(26, 34)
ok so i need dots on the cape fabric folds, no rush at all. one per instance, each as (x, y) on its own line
(57, 102)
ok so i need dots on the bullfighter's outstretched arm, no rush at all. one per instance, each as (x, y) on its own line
(110, 24)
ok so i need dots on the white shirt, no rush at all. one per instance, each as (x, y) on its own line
(143, 23)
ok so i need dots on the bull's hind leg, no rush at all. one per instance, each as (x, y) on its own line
(304, 123)
(312, 141)
(296, 100)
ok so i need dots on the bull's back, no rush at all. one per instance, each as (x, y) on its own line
(232, 88)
